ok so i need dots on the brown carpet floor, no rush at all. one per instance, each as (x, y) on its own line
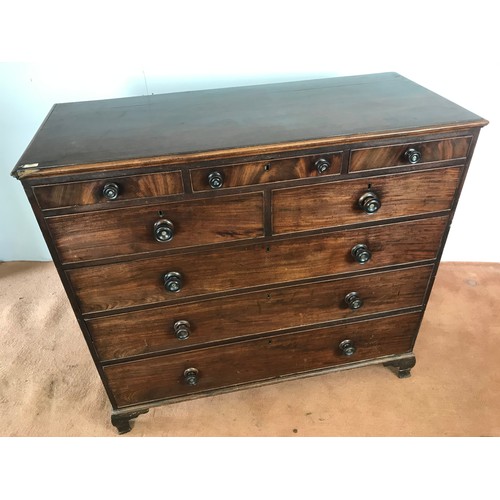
(49, 386)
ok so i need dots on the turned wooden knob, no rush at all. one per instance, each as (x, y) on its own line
(163, 230)
(215, 180)
(369, 202)
(347, 347)
(111, 190)
(361, 253)
(353, 300)
(172, 281)
(182, 329)
(191, 376)
(322, 165)
(413, 155)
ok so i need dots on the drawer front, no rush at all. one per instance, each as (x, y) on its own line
(153, 330)
(395, 156)
(337, 203)
(258, 360)
(112, 233)
(114, 286)
(74, 194)
(265, 171)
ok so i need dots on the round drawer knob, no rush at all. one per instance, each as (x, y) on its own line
(347, 347)
(172, 281)
(322, 165)
(353, 300)
(361, 253)
(191, 376)
(182, 329)
(369, 202)
(215, 180)
(413, 155)
(163, 230)
(111, 191)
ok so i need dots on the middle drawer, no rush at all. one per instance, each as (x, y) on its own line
(187, 325)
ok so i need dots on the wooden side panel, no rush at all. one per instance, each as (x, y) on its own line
(73, 194)
(114, 286)
(336, 204)
(126, 231)
(394, 156)
(266, 171)
(162, 377)
(149, 331)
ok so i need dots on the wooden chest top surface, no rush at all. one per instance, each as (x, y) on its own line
(177, 124)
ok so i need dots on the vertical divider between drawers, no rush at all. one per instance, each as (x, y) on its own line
(268, 213)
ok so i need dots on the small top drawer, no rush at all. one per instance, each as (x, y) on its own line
(246, 174)
(408, 154)
(98, 191)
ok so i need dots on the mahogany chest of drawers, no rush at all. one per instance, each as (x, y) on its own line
(215, 240)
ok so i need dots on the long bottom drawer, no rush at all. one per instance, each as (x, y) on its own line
(171, 376)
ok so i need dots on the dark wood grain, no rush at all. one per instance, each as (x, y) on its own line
(162, 377)
(114, 286)
(298, 114)
(336, 204)
(266, 171)
(394, 156)
(111, 233)
(72, 194)
(149, 331)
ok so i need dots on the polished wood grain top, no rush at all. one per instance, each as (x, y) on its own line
(240, 118)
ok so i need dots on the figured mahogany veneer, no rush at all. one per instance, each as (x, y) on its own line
(393, 156)
(215, 240)
(74, 194)
(267, 171)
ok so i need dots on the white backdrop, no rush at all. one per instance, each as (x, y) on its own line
(110, 51)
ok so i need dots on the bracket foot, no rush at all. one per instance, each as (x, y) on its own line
(121, 420)
(403, 366)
